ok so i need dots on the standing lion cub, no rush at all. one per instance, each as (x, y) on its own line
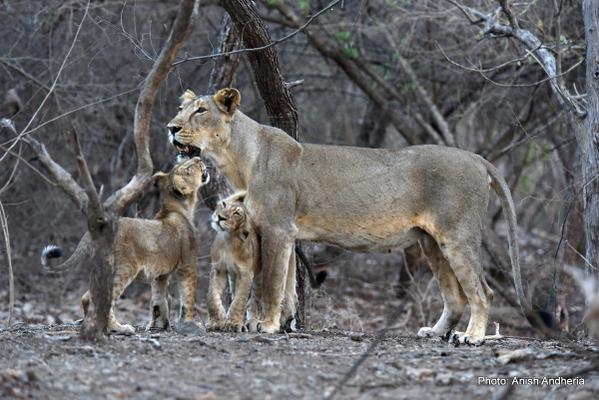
(236, 254)
(159, 247)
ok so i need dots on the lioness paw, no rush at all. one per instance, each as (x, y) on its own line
(237, 327)
(428, 332)
(252, 325)
(457, 338)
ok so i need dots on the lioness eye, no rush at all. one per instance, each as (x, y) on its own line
(180, 108)
(201, 110)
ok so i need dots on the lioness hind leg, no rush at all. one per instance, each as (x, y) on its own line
(159, 304)
(453, 296)
(465, 263)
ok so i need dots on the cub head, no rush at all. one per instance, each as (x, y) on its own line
(231, 215)
(184, 179)
(203, 123)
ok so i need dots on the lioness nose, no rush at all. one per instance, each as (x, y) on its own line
(174, 129)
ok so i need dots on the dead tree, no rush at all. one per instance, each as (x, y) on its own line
(272, 87)
(98, 244)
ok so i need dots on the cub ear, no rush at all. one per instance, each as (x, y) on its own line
(159, 177)
(227, 100)
(238, 197)
(188, 95)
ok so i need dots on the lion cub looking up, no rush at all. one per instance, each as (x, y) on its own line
(235, 252)
(159, 247)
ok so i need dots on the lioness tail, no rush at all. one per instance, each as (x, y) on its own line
(50, 251)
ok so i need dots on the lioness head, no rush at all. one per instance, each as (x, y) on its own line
(203, 122)
(184, 179)
(231, 214)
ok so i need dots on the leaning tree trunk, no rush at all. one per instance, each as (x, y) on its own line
(588, 139)
(273, 90)
(222, 76)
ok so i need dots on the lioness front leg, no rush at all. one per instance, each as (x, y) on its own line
(276, 250)
(236, 314)
(159, 304)
(290, 296)
(453, 296)
(254, 314)
(217, 285)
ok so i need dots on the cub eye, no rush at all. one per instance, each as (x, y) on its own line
(237, 214)
(201, 110)
(180, 108)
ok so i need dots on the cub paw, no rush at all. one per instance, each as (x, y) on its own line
(121, 329)
(158, 325)
(215, 325)
(237, 327)
(457, 338)
(266, 327)
(252, 325)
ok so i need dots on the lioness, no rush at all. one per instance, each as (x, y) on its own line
(159, 247)
(236, 253)
(360, 199)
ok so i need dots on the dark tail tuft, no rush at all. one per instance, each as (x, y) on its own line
(50, 251)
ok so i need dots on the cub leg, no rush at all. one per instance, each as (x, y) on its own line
(216, 287)
(290, 296)
(187, 277)
(243, 286)
(124, 275)
(453, 296)
(159, 304)
(85, 302)
(465, 263)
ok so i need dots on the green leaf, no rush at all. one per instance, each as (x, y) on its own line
(272, 3)
(351, 52)
(304, 6)
(343, 36)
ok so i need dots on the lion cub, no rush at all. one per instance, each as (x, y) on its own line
(235, 253)
(159, 247)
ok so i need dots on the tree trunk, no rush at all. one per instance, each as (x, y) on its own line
(103, 231)
(277, 98)
(587, 140)
(222, 76)
(373, 127)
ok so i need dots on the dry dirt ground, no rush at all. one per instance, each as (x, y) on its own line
(41, 361)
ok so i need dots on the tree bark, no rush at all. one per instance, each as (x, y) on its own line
(222, 76)
(273, 90)
(587, 138)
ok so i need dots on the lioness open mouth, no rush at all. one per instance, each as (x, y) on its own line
(187, 151)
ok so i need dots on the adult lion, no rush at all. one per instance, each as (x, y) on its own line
(362, 199)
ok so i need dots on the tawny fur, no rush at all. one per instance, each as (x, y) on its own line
(356, 198)
(236, 254)
(159, 247)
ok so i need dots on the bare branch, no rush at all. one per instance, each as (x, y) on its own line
(505, 7)
(39, 108)
(11, 279)
(141, 126)
(267, 46)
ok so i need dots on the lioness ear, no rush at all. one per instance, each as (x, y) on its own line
(227, 100)
(188, 95)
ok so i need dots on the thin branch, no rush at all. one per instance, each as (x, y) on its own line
(141, 125)
(64, 62)
(88, 182)
(267, 46)
(11, 279)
